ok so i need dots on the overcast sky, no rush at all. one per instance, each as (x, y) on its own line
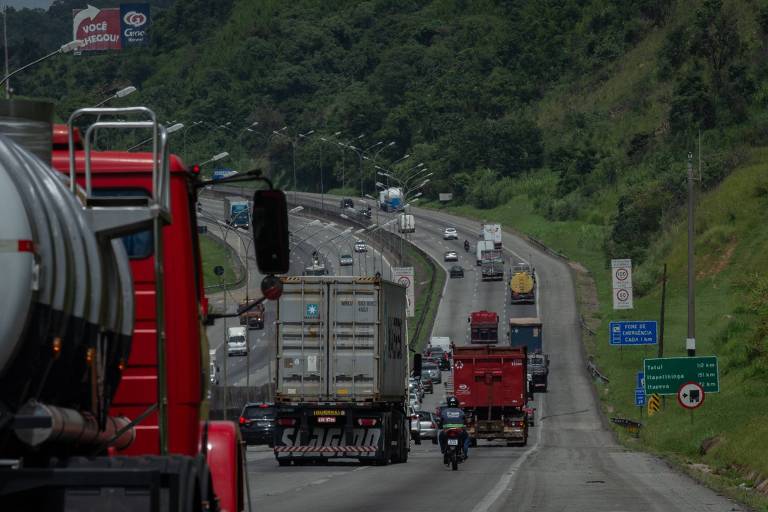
(43, 4)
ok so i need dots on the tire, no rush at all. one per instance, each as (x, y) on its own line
(454, 462)
(284, 462)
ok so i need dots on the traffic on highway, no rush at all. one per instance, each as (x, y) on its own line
(319, 320)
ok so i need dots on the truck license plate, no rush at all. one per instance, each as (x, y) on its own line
(453, 442)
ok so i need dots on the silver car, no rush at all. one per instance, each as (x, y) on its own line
(428, 425)
(450, 234)
(346, 260)
(432, 372)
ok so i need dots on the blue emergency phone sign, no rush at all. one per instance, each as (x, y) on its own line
(640, 380)
(639, 397)
(633, 333)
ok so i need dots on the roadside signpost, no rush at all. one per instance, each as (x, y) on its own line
(633, 333)
(621, 276)
(666, 375)
(690, 395)
(640, 398)
(654, 404)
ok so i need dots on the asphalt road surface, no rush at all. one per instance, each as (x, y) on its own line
(571, 463)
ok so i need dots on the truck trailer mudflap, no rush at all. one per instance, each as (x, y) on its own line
(324, 434)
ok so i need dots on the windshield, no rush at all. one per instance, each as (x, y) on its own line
(236, 339)
(429, 366)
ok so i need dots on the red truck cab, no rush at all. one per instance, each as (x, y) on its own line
(129, 174)
(483, 327)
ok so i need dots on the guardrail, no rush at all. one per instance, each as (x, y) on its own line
(595, 371)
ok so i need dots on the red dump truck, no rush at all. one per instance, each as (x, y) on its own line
(483, 327)
(491, 386)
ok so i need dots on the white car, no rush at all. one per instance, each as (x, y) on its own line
(361, 246)
(451, 256)
(346, 260)
(450, 234)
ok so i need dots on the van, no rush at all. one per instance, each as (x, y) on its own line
(237, 341)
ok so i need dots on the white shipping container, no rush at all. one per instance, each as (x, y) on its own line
(492, 233)
(341, 339)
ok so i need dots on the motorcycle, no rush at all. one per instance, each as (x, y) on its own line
(466, 246)
(454, 448)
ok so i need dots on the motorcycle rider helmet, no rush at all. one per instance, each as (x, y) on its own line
(452, 402)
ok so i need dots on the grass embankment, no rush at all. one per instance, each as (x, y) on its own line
(215, 253)
(424, 273)
(731, 304)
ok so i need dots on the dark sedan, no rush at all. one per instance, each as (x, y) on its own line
(456, 271)
(257, 423)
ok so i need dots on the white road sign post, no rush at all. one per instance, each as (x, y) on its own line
(621, 275)
(404, 276)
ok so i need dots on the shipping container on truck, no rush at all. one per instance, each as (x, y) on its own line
(342, 370)
(237, 212)
(490, 383)
(407, 223)
(483, 327)
(481, 247)
(492, 233)
(526, 332)
(492, 265)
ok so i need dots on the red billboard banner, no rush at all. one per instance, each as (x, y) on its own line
(99, 29)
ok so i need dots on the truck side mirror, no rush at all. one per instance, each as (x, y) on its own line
(417, 365)
(270, 231)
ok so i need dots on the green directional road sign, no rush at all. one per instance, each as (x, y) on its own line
(665, 375)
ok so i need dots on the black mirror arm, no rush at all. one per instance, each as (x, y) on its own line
(252, 175)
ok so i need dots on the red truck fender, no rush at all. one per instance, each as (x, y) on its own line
(226, 460)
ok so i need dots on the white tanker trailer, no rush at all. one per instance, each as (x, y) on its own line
(66, 294)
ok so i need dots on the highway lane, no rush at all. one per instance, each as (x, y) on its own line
(572, 462)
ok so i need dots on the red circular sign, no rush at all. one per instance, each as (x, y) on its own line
(690, 395)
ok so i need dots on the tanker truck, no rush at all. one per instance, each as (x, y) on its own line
(92, 416)
(391, 199)
(522, 285)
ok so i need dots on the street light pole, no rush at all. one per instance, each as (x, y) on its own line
(690, 342)
(65, 48)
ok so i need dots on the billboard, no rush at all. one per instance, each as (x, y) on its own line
(134, 25)
(111, 28)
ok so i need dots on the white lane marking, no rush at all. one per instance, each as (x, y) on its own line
(503, 484)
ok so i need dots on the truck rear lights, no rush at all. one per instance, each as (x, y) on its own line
(326, 419)
(371, 422)
(286, 422)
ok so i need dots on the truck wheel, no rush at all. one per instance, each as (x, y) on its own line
(284, 462)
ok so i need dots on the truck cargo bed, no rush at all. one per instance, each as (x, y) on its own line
(341, 339)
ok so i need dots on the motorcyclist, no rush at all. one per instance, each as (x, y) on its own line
(452, 416)
(466, 245)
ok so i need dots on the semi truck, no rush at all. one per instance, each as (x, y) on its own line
(103, 372)
(522, 284)
(237, 212)
(482, 247)
(391, 199)
(483, 327)
(492, 265)
(490, 383)
(492, 233)
(407, 223)
(526, 332)
(342, 371)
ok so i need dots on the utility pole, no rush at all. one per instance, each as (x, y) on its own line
(663, 304)
(5, 44)
(690, 341)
